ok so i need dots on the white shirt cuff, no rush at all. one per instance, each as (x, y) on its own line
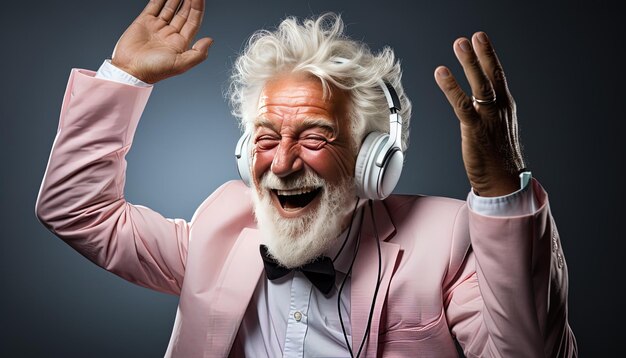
(109, 72)
(521, 202)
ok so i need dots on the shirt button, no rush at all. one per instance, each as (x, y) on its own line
(297, 316)
(560, 261)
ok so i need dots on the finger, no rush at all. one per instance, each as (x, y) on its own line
(194, 20)
(491, 64)
(153, 7)
(478, 80)
(168, 11)
(460, 102)
(181, 16)
(198, 53)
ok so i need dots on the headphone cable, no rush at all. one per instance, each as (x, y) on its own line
(380, 264)
(345, 241)
(343, 283)
(371, 314)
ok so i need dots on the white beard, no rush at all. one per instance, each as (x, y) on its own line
(297, 241)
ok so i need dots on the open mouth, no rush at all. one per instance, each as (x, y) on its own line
(296, 199)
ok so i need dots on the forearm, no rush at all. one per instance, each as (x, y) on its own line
(522, 279)
(97, 122)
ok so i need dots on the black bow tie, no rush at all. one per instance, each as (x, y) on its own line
(320, 272)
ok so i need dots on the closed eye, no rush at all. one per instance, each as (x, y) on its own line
(266, 142)
(314, 142)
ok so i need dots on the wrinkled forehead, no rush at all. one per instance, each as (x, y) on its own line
(299, 96)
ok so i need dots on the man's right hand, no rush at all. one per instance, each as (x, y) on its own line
(156, 45)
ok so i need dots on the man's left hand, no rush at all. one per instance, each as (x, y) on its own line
(491, 149)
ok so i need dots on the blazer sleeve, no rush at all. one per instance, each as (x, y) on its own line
(81, 198)
(509, 295)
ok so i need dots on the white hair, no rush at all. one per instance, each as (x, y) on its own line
(318, 46)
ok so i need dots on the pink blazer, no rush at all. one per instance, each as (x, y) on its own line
(498, 285)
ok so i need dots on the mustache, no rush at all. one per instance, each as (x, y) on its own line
(307, 179)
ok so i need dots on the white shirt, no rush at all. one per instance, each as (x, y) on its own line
(289, 317)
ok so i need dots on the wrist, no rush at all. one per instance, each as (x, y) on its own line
(126, 69)
(498, 186)
(111, 72)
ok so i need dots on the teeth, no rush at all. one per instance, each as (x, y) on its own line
(294, 191)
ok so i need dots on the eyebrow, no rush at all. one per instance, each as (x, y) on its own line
(306, 123)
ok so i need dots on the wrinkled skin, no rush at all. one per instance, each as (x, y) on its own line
(298, 128)
(490, 143)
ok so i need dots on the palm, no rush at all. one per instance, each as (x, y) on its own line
(156, 44)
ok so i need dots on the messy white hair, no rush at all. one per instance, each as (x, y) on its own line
(318, 46)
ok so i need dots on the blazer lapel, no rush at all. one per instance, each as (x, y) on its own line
(238, 279)
(365, 276)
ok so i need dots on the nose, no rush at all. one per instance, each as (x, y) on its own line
(286, 160)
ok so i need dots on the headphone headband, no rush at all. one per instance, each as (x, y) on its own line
(391, 95)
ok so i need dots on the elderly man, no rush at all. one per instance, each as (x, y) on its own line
(315, 259)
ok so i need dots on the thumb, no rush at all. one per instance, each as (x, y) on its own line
(196, 54)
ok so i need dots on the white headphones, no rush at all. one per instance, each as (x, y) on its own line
(379, 162)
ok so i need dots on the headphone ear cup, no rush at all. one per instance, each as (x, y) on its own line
(390, 173)
(372, 181)
(242, 155)
(366, 168)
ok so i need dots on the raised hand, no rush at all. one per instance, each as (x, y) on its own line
(156, 45)
(491, 149)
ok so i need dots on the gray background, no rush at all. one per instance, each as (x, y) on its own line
(562, 60)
